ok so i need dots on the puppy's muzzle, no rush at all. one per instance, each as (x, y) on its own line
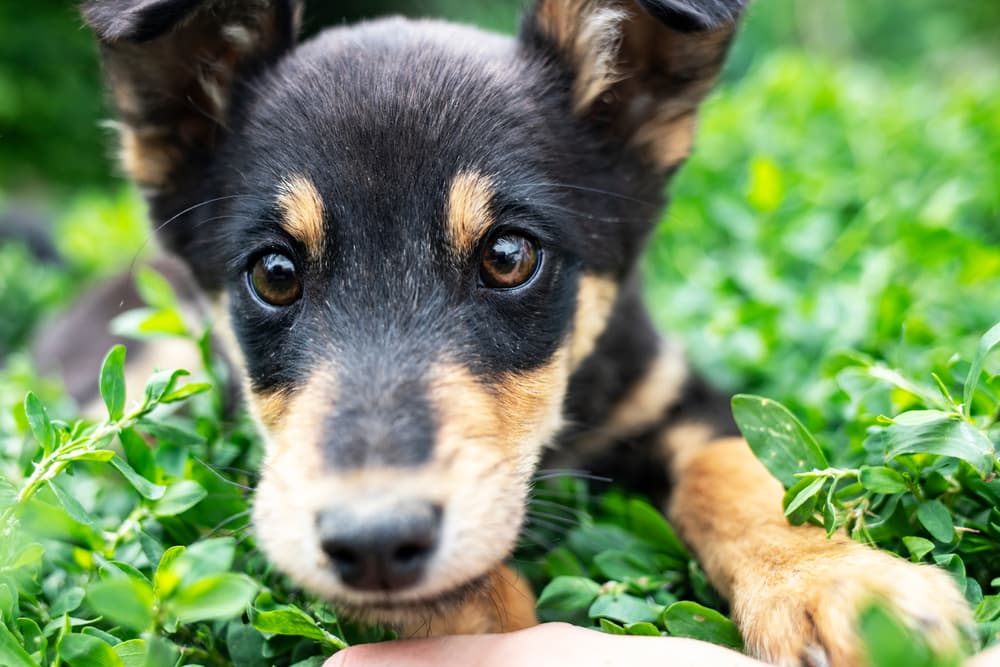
(386, 552)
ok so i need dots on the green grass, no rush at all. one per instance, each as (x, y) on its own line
(834, 245)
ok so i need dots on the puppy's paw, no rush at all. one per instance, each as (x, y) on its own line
(804, 609)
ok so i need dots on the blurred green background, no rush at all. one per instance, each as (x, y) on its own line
(843, 195)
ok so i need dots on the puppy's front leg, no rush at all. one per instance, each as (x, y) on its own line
(505, 604)
(795, 594)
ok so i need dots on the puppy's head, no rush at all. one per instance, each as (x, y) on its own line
(415, 233)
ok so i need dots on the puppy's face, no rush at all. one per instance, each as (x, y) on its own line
(415, 234)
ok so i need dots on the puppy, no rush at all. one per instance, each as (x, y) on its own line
(420, 241)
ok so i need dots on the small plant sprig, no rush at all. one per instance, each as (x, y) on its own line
(138, 578)
(62, 445)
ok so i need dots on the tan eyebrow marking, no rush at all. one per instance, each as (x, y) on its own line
(303, 212)
(469, 215)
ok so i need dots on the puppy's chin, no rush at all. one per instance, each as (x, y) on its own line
(398, 610)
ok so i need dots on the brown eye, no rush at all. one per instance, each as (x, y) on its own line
(510, 260)
(275, 280)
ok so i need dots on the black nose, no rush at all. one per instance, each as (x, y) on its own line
(386, 552)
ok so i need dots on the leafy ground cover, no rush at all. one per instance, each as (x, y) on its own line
(833, 247)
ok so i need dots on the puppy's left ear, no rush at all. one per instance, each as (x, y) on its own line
(639, 68)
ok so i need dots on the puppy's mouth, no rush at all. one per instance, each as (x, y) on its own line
(393, 607)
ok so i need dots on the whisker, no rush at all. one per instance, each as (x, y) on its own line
(222, 524)
(177, 216)
(553, 518)
(222, 478)
(599, 191)
(570, 473)
(535, 538)
(546, 523)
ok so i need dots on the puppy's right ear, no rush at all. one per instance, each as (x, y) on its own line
(172, 67)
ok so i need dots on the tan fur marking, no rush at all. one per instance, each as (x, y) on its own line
(658, 389)
(642, 406)
(659, 76)
(298, 417)
(303, 212)
(595, 298)
(510, 411)
(590, 35)
(794, 592)
(270, 409)
(530, 403)
(506, 604)
(667, 142)
(468, 214)
(148, 158)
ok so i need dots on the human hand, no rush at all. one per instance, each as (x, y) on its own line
(546, 645)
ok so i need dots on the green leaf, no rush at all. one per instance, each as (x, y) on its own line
(202, 559)
(138, 453)
(34, 640)
(936, 518)
(246, 646)
(113, 382)
(777, 438)
(186, 392)
(988, 609)
(610, 627)
(8, 494)
(622, 566)
(12, 654)
(145, 488)
(27, 556)
(67, 601)
(622, 607)
(167, 577)
(86, 651)
(161, 652)
(9, 599)
(314, 661)
(70, 503)
(179, 498)
(642, 629)
(942, 437)
(94, 456)
(168, 433)
(144, 323)
(220, 596)
(38, 420)
(105, 637)
(987, 343)
(132, 653)
(918, 547)
(690, 619)
(124, 601)
(889, 643)
(561, 562)
(805, 492)
(879, 479)
(829, 518)
(155, 290)
(151, 547)
(649, 524)
(568, 594)
(293, 622)
(160, 383)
